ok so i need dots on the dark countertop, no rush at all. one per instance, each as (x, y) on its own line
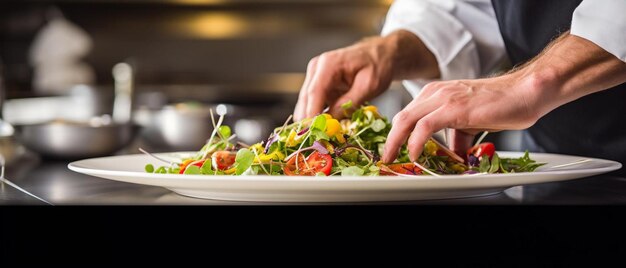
(55, 183)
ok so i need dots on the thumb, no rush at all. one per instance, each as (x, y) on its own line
(358, 93)
(460, 141)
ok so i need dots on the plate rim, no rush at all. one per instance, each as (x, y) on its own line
(74, 166)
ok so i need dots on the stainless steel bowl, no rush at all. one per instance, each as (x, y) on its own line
(73, 140)
(181, 126)
(98, 136)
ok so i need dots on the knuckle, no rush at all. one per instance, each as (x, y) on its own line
(312, 63)
(325, 57)
(400, 117)
(376, 83)
(424, 124)
(430, 88)
(412, 143)
(458, 83)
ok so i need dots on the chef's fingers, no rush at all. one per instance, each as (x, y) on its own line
(357, 94)
(460, 141)
(300, 106)
(424, 129)
(403, 123)
(415, 110)
(401, 127)
(321, 83)
(300, 110)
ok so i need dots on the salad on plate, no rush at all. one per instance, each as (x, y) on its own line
(327, 146)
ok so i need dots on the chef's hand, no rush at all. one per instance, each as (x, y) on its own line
(469, 106)
(569, 68)
(360, 72)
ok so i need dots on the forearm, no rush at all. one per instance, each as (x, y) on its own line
(410, 58)
(570, 68)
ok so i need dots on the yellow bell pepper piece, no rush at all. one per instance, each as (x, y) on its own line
(332, 127)
(230, 171)
(372, 109)
(430, 148)
(458, 168)
(257, 147)
(329, 147)
(291, 139)
(340, 138)
(265, 158)
(185, 163)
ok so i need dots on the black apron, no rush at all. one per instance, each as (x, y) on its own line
(594, 125)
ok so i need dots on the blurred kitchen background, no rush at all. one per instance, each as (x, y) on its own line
(186, 56)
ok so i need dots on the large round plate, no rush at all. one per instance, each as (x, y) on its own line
(130, 168)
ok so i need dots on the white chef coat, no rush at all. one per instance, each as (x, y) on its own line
(465, 38)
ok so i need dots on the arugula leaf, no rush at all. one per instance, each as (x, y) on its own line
(149, 168)
(207, 167)
(193, 170)
(243, 160)
(224, 131)
(160, 170)
(347, 105)
(357, 116)
(319, 123)
(374, 170)
(378, 139)
(319, 135)
(173, 170)
(484, 165)
(495, 163)
(338, 165)
(352, 171)
(252, 170)
(378, 125)
(350, 155)
(522, 164)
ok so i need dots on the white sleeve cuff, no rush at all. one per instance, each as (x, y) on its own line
(441, 32)
(603, 23)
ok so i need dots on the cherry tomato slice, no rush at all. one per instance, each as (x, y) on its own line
(316, 162)
(184, 165)
(402, 168)
(290, 167)
(222, 160)
(485, 148)
(320, 162)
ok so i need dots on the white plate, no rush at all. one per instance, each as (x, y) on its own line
(130, 168)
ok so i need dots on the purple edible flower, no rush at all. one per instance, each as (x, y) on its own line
(273, 138)
(319, 147)
(303, 131)
(473, 161)
(316, 146)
